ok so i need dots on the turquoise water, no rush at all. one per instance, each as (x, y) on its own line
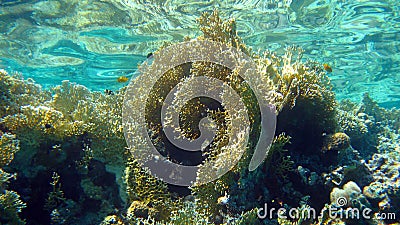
(73, 156)
(94, 42)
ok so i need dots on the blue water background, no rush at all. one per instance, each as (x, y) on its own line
(94, 42)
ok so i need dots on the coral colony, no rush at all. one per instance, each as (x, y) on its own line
(63, 156)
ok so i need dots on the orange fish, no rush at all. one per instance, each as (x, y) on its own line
(122, 79)
(328, 68)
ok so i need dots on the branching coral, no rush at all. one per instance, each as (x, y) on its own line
(93, 114)
(148, 191)
(17, 92)
(10, 206)
(9, 145)
(278, 162)
(216, 154)
(73, 111)
(35, 122)
(216, 29)
(300, 90)
(304, 81)
(4, 179)
(10, 202)
(67, 97)
(304, 90)
(207, 196)
(189, 214)
(73, 117)
(98, 114)
(56, 195)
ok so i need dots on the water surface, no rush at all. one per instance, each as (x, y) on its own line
(94, 42)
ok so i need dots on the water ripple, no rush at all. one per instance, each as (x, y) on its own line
(93, 42)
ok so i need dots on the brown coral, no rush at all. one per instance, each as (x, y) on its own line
(18, 92)
(216, 29)
(9, 145)
(147, 193)
(336, 142)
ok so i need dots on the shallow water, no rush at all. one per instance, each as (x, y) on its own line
(64, 155)
(94, 42)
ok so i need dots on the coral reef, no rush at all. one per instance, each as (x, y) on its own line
(349, 196)
(149, 196)
(300, 89)
(113, 219)
(217, 29)
(336, 142)
(383, 192)
(322, 151)
(56, 196)
(347, 202)
(69, 127)
(368, 125)
(17, 92)
(10, 201)
(303, 215)
(189, 214)
(304, 90)
(9, 145)
(10, 206)
(361, 127)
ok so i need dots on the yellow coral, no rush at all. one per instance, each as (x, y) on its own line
(336, 142)
(18, 92)
(9, 145)
(10, 206)
(91, 112)
(298, 80)
(207, 195)
(138, 209)
(216, 29)
(148, 190)
(76, 111)
(112, 220)
(278, 160)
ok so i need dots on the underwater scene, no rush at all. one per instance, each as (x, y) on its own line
(278, 112)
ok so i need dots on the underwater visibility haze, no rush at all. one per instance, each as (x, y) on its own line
(301, 100)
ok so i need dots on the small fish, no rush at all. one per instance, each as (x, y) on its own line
(223, 200)
(108, 92)
(122, 79)
(149, 55)
(328, 68)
